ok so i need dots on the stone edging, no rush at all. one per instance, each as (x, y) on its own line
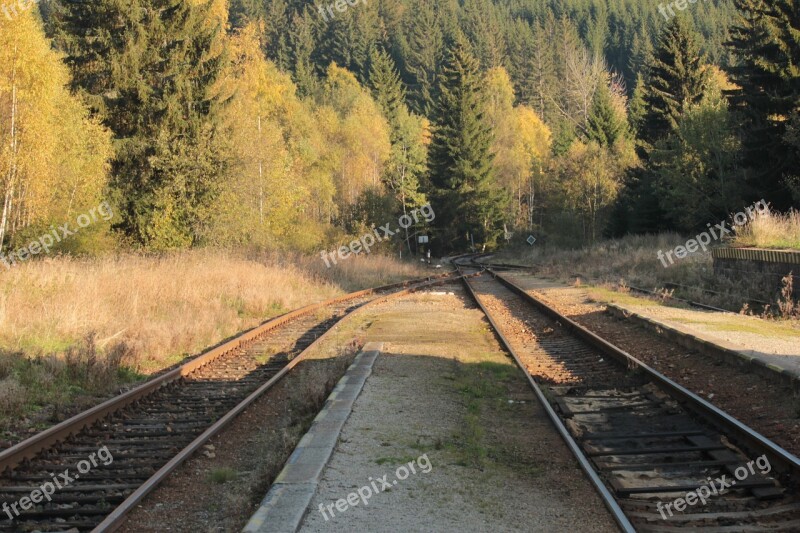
(757, 254)
(286, 503)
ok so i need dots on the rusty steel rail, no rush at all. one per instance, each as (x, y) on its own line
(608, 499)
(31, 447)
(114, 520)
(736, 436)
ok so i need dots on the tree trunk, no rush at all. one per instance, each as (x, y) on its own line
(12, 168)
(260, 179)
(403, 199)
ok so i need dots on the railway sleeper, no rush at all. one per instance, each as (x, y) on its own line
(645, 444)
(141, 474)
(117, 464)
(791, 509)
(27, 489)
(72, 524)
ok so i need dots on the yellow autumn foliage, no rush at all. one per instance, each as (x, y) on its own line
(53, 157)
(521, 146)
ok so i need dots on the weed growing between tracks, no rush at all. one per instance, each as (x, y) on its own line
(485, 389)
(220, 476)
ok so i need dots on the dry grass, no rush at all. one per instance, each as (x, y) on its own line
(352, 274)
(633, 261)
(73, 329)
(771, 230)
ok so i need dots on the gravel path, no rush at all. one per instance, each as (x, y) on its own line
(444, 397)
(762, 338)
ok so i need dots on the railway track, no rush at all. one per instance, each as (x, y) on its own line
(116, 453)
(643, 440)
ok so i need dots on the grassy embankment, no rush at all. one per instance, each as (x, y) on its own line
(771, 231)
(633, 261)
(75, 330)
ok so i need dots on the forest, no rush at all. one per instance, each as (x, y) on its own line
(290, 125)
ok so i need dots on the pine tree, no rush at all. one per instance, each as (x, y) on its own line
(605, 126)
(698, 175)
(544, 72)
(350, 37)
(423, 53)
(677, 79)
(642, 52)
(149, 72)
(276, 40)
(387, 88)
(519, 36)
(597, 31)
(75, 29)
(467, 198)
(483, 28)
(766, 42)
(369, 35)
(637, 108)
(303, 43)
(532, 66)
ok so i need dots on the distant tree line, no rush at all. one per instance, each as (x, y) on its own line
(262, 122)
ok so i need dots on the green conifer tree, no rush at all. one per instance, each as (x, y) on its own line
(423, 54)
(387, 87)
(148, 71)
(467, 198)
(605, 125)
(303, 44)
(677, 79)
(765, 40)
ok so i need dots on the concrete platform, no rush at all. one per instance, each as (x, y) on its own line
(784, 367)
(286, 503)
